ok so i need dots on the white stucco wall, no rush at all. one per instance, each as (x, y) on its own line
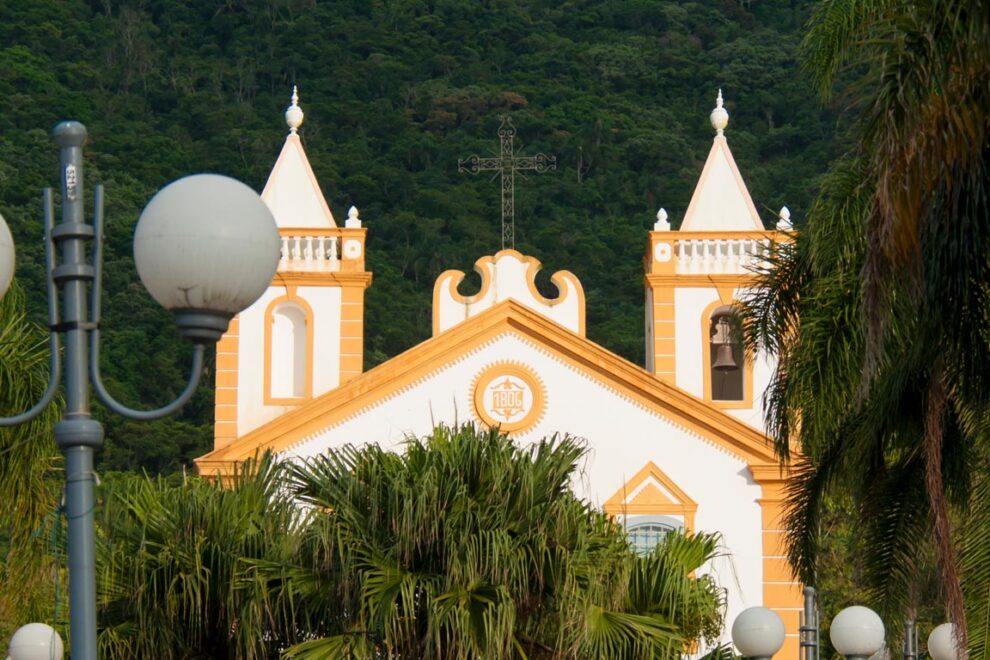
(622, 435)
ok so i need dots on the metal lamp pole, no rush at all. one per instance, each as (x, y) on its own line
(207, 210)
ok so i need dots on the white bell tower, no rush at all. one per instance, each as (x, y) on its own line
(305, 335)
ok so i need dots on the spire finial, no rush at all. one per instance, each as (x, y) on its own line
(661, 224)
(294, 115)
(353, 219)
(719, 116)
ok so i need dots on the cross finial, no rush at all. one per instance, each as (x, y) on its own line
(719, 116)
(294, 114)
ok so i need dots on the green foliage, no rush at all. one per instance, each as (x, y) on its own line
(28, 494)
(175, 577)
(878, 308)
(469, 546)
(395, 91)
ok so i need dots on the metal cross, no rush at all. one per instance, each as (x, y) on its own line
(507, 163)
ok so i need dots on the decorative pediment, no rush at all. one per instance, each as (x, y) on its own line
(651, 492)
(507, 275)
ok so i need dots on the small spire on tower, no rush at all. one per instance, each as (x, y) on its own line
(719, 116)
(294, 114)
(353, 219)
(661, 224)
(784, 223)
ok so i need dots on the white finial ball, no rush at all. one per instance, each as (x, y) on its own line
(661, 224)
(353, 221)
(942, 642)
(6, 257)
(294, 114)
(758, 632)
(857, 631)
(35, 641)
(719, 116)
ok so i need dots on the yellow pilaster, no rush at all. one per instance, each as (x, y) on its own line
(225, 412)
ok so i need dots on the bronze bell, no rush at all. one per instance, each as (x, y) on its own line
(724, 358)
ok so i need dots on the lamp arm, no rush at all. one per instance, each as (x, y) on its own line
(54, 347)
(196, 371)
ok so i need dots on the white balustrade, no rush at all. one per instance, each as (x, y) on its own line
(709, 255)
(317, 252)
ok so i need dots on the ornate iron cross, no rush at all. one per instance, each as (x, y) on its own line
(507, 164)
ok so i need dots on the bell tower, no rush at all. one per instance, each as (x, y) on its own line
(305, 335)
(694, 277)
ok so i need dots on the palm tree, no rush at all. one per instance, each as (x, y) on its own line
(176, 577)
(469, 546)
(879, 311)
(28, 456)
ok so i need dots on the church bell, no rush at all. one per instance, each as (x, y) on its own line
(725, 359)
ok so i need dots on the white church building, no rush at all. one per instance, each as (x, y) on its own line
(677, 443)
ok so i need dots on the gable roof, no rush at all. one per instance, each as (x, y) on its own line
(721, 200)
(419, 362)
(292, 192)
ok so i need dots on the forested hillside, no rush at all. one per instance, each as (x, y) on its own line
(395, 91)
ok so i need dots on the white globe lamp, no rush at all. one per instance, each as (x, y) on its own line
(206, 247)
(942, 643)
(6, 257)
(857, 632)
(758, 632)
(35, 641)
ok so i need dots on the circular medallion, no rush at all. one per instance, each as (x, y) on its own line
(509, 395)
(352, 249)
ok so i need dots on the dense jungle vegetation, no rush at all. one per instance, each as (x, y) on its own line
(395, 91)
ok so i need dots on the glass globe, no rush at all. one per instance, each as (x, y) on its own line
(206, 247)
(35, 641)
(857, 632)
(6, 257)
(758, 632)
(942, 642)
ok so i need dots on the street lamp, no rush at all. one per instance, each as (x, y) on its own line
(35, 641)
(857, 632)
(206, 247)
(942, 643)
(758, 633)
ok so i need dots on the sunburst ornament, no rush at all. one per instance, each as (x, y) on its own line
(509, 395)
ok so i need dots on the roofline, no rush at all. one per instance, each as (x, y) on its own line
(420, 361)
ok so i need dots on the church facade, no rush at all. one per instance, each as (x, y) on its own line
(676, 443)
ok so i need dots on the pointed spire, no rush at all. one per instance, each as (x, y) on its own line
(784, 223)
(661, 224)
(353, 221)
(294, 114)
(719, 116)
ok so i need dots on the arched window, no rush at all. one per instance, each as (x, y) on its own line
(647, 532)
(288, 349)
(726, 364)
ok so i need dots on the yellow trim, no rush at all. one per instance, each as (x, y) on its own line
(565, 281)
(715, 280)
(225, 386)
(706, 363)
(292, 297)
(500, 370)
(627, 379)
(684, 506)
(362, 279)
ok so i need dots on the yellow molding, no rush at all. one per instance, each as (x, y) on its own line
(776, 236)
(733, 435)
(683, 506)
(356, 279)
(715, 280)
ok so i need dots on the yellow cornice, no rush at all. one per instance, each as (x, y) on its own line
(418, 362)
(359, 279)
(717, 235)
(697, 280)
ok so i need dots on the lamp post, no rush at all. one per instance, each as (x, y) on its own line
(206, 247)
(857, 632)
(758, 633)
